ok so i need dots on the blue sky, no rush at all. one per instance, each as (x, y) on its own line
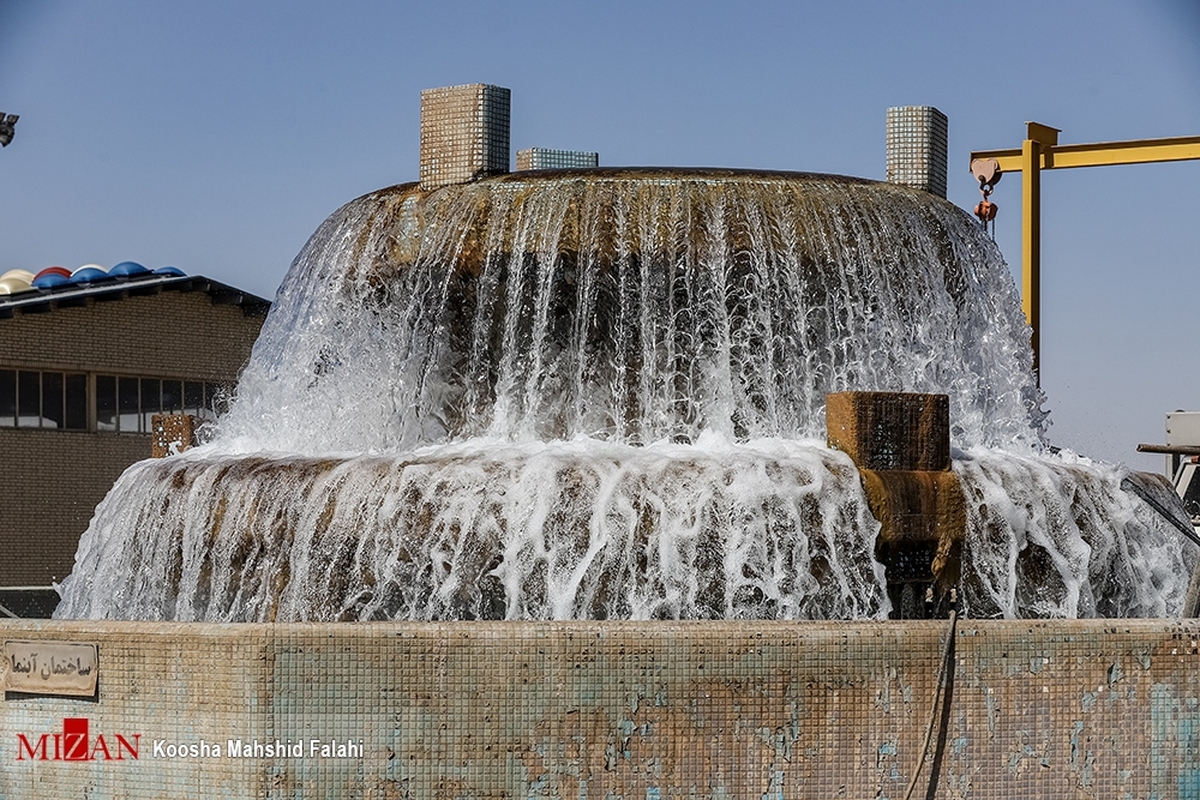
(216, 136)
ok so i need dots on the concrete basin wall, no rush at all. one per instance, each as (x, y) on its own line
(613, 710)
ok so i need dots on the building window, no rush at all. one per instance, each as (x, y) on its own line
(29, 399)
(8, 398)
(127, 404)
(32, 399)
(77, 405)
(106, 403)
(124, 404)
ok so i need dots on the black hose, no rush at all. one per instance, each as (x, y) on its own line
(940, 696)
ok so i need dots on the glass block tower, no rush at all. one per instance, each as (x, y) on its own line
(916, 148)
(545, 158)
(464, 133)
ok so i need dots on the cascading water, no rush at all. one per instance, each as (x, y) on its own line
(601, 394)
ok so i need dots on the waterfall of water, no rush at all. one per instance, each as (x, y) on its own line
(596, 394)
(633, 309)
(569, 530)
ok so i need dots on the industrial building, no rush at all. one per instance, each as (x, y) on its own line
(464, 133)
(917, 148)
(85, 361)
(549, 158)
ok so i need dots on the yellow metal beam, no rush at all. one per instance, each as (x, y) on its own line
(1100, 154)
(1031, 246)
(1041, 151)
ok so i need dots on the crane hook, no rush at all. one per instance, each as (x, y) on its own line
(987, 171)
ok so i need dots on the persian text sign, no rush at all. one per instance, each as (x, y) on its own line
(49, 667)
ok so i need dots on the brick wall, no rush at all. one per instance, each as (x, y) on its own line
(171, 334)
(51, 480)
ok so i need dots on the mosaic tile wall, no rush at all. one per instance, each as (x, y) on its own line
(464, 133)
(545, 158)
(917, 138)
(620, 710)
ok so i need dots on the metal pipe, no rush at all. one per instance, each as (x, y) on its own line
(1170, 449)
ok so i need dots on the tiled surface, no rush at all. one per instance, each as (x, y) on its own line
(917, 138)
(633, 710)
(464, 133)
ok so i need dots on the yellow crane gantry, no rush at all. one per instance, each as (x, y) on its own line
(1041, 151)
